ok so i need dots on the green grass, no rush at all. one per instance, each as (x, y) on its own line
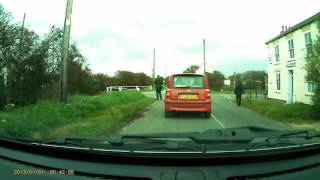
(82, 115)
(222, 92)
(278, 110)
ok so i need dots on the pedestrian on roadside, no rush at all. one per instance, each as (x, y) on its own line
(158, 82)
(238, 91)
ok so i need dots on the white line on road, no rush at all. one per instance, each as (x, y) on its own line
(227, 97)
(216, 119)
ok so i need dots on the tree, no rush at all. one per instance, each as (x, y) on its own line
(26, 68)
(143, 79)
(33, 63)
(251, 79)
(99, 82)
(192, 69)
(216, 80)
(254, 79)
(2, 93)
(235, 78)
(78, 72)
(52, 44)
(127, 78)
(6, 37)
(313, 69)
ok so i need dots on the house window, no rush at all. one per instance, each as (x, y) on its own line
(270, 59)
(308, 42)
(278, 80)
(291, 48)
(276, 51)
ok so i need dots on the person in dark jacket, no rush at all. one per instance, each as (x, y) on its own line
(158, 82)
(238, 91)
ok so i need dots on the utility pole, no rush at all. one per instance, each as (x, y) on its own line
(65, 48)
(204, 56)
(22, 29)
(154, 64)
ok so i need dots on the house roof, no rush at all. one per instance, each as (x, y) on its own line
(296, 27)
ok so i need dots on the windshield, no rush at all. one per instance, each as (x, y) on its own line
(160, 72)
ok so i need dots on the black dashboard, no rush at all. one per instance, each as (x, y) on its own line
(31, 162)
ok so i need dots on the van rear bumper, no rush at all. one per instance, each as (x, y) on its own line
(191, 106)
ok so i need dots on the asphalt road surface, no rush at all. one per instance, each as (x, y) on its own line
(225, 114)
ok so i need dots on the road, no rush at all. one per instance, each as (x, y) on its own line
(225, 114)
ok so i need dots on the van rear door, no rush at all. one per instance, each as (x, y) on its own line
(189, 87)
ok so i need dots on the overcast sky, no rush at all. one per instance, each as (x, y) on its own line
(120, 35)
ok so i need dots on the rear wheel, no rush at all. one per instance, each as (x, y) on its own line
(207, 114)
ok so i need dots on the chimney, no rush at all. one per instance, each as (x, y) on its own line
(282, 29)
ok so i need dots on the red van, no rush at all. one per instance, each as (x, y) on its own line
(188, 92)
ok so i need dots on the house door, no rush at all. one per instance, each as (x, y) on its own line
(290, 87)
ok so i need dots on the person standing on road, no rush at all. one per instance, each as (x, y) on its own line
(238, 91)
(158, 82)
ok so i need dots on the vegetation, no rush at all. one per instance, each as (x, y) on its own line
(192, 69)
(251, 79)
(216, 80)
(83, 115)
(293, 113)
(30, 66)
(313, 69)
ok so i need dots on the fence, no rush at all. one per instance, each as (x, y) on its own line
(122, 88)
(255, 94)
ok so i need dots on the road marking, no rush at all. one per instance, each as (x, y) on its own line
(227, 97)
(216, 119)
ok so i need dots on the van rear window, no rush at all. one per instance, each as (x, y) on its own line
(188, 81)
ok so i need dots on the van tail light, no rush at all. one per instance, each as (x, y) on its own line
(208, 93)
(168, 92)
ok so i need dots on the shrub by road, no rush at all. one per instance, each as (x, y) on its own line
(297, 114)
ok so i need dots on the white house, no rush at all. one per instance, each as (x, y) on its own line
(287, 58)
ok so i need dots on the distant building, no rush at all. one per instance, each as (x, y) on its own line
(287, 58)
(227, 82)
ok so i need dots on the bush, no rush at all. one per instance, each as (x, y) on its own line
(316, 104)
(2, 93)
(45, 117)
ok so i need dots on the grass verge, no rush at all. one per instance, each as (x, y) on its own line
(297, 114)
(82, 115)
